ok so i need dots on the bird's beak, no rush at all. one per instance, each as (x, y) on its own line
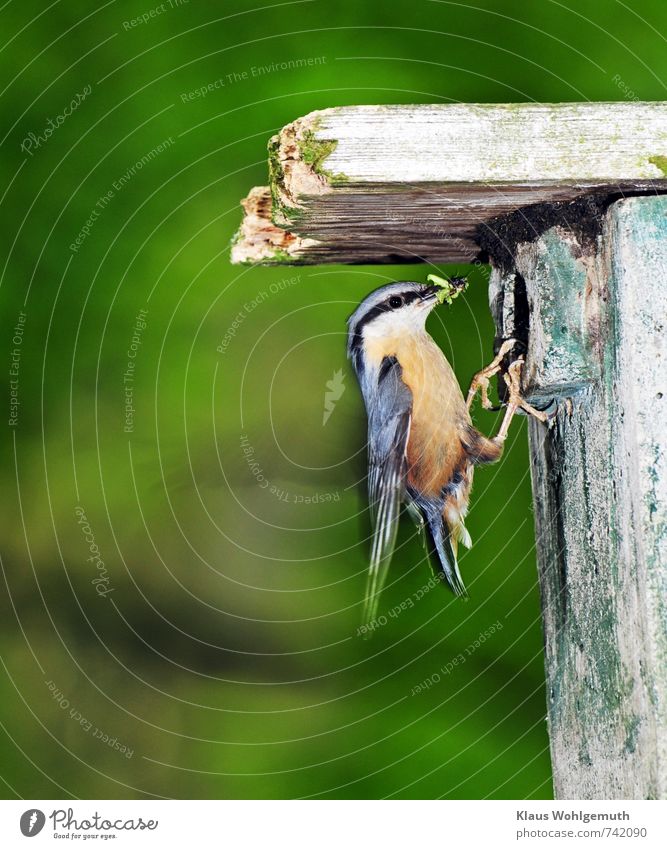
(438, 294)
(428, 297)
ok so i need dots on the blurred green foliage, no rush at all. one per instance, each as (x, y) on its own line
(230, 521)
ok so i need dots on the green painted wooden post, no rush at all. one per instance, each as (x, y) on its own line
(580, 277)
(597, 348)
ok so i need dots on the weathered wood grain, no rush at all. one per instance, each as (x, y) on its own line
(371, 184)
(594, 319)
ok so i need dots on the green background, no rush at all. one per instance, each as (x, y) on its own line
(225, 659)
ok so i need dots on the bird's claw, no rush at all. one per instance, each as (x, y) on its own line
(480, 382)
(515, 399)
(512, 377)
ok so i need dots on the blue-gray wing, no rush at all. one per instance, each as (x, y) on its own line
(389, 408)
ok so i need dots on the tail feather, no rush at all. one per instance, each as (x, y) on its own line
(441, 544)
(443, 549)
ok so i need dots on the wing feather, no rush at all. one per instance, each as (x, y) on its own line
(389, 406)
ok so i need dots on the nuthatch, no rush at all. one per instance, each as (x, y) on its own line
(422, 446)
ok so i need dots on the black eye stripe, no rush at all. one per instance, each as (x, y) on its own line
(366, 319)
(408, 297)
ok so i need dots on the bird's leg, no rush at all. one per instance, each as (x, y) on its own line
(516, 400)
(481, 380)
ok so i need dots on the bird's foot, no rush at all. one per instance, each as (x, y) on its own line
(513, 382)
(480, 382)
(515, 400)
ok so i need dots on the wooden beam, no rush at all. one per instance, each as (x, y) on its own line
(591, 311)
(371, 184)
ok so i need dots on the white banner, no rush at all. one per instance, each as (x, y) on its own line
(333, 824)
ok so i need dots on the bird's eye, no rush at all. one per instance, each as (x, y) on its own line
(395, 302)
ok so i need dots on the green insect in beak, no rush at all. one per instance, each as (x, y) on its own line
(451, 288)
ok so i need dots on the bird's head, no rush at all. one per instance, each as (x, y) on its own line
(395, 309)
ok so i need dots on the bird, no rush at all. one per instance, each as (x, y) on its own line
(422, 444)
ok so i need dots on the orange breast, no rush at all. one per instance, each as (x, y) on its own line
(439, 413)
